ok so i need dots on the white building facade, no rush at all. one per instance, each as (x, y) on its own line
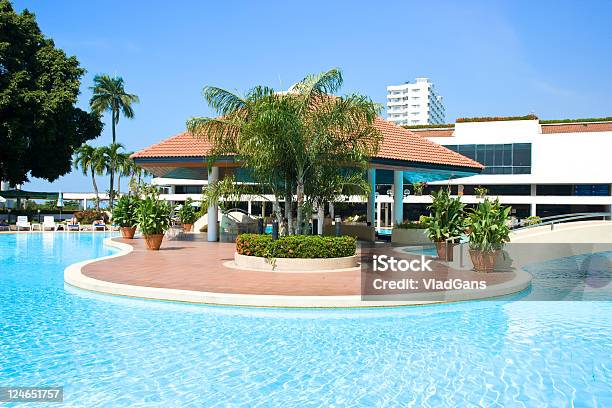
(415, 103)
(539, 169)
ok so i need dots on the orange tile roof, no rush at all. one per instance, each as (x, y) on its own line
(576, 127)
(403, 144)
(398, 144)
(426, 132)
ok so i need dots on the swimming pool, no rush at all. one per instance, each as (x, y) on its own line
(113, 351)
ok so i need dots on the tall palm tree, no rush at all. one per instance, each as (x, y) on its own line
(305, 142)
(90, 160)
(124, 168)
(112, 156)
(109, 95)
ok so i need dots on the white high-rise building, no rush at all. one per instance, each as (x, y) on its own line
(415, 103)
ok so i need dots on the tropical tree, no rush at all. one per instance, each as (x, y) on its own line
(112, 156)
(305, 142)
(40, 125)
(109, 95)
(90, 160)
(124, 168)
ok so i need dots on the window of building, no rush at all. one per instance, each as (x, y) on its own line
(573, 189)
(188, 189)
(511, 158)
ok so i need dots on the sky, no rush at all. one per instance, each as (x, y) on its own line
(486, 58)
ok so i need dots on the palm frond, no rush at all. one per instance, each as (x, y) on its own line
(223, 101)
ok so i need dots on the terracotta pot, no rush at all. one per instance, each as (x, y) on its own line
(445, 250)
(484, 261)
(154, 241)
(187, 227)
(128, 232)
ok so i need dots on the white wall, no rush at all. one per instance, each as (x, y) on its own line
(557, 158)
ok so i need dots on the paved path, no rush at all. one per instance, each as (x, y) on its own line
(198, 266)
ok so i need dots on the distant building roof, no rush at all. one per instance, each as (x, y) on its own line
(434, 132)
(577, 127)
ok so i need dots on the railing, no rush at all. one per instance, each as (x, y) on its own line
(557, 219)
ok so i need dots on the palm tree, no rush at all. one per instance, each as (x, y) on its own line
(305, 142)
(111, 158)
(124, 168)
(109, 95)
(90, 160)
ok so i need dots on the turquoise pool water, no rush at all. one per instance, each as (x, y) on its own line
(111, 351)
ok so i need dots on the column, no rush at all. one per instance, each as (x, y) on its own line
(388, 214)
(372, 196)
(609, 218)
(263, 209)
(331, 211)
(84, 203)
(398, 197)
(533, 211)
(378, 212)
(249, 206)
(213, 175)
(320, 217)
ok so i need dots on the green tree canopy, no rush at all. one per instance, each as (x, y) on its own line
(304, 143)
(40, 127)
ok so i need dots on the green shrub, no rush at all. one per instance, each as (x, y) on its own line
(532, 220)
(531, 116)
(253, 244)
(430, 126)
(296, 246)
(125, 211)
(606, 119)
(89, 216)
(410, 225)
(446, 216)
(154, 215)
(488, 226)
(187, 214)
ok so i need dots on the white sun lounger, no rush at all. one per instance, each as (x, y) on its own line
(49, 223)
(22, 222)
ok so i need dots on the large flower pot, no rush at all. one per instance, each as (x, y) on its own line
(483, 261)
(187, 227)
(154, 241)
(128, 232)
(445, 250)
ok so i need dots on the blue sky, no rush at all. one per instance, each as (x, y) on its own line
(486, 58)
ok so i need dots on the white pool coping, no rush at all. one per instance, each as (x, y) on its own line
(73, 276)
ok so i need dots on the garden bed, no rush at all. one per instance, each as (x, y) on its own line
(295, 253)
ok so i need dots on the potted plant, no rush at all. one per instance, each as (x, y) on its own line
(125, 214)
(489, 232)
(188, 215)
(480, 192)
(154, 220)
(418, 188)
(445, 222)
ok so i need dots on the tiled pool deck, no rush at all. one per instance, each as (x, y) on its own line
(197, 271)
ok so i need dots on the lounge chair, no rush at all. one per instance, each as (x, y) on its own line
(97, 225)
(22, 222)
(73, 225)
(49, 223)
(4, 226)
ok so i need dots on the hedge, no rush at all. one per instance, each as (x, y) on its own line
(497, 118)
(430, 126)
(549, 121)
(295, 246)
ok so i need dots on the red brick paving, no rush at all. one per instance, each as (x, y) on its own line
(199, 266)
